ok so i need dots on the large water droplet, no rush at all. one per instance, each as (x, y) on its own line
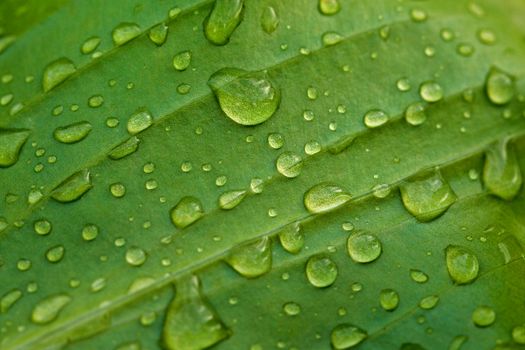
(48, 309)
(292, 238)
(191, 323)
(483, 316)
(11, 142)
(325, 197)
(135, 256)
(321, 271)
(428, 197)
(225, 16)
(253, 259)
(73, 187)
(73, 132)
(139, 121)
(125, 32)
(158, 34)
(247, 98)
(431, 91)
(462, 264)
(269, 20)
(56, 72)
(329, 7)
(289, 164)
(346, 336)
(9, 299)
(389, 299)
(231, 199)
(125, 148)
(501, 172)
(186, 212)
(499, 86)
(363, 247)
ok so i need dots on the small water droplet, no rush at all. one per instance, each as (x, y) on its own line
(431, 91)
(325, 197)
(42, 227)
(501, 172)
(321, 271)
(381, 190)
(329, 7)
(346, 336)
(269, 20)
(292, 238)
(312, 147)
(125, 148)
(139, 121)
(56, 72)
(247, 98)
(486, 36)
(418, 15)
(256, 185)
(363, 247)
(95, 101)
(457, 342)
(253, 259)
(415, 114)
(23, 264)
(89, 232)
(183, 88)
(73, 187)
(11, 142)
(389, 299)
(427, 197)
(6, 41)
(125, 32)
(275, 140)
(462, 264)
(292, 309)
(289, 164)
(48, 309)
(182, 60)
(418, 276)
(429, 302)
(9, 299)
(73, 132)
(117, 190)
(158, 34)
(135, 256)
(499, 87)
(331, 38)
(518, 334)
(375, 118)
(90, 45)
(403, 85)
(225, 16)
(231, 199)
(483, 316)
(312, 93)
(384, 32)
(186, 212)
(6, 99)
(55, 254)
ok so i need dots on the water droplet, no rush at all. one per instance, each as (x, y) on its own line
(55, 254)
(225, 16)
(465, 49)
(135, 256)
(346, 336)
(98, 284)
(312, 93)
(56, 72)
(329, 7)
(325, 197)
(89, 232)
(139, 121)
(183, 88)
(253, 259)
(47, 310)
(90, 45)
(6, 41)
(501, 172)
(518, 334)
(499, 86)
(428, 197)
(429, 302)
(182, 60)
(289, 164)
(331, 38)
(312, 147)
(389, 299)
(257, 185)
(403, 85)
(418, 276)
(375, 118)
(191, 323)
(415, 114)
(292, 238)
(247, 98)
(486, 36)
(9, 299)
(117, 189)
(381, 190)
(457, 342)
(292, 309)
(483, 316)
(158, 34)
(384, 32)
(174, 12)
(96, 101)
(11, 142)
(269, 20)
(231, 199)
(462, 264)
(431, 91)
(23, 264)
(73, 132)
(275, 140)
(6, 99)
(363, 247)
(73, 187)
(186, 212)
(125, 32)
(42, 227)
(321, 271)
(418, 15)
(125, 148)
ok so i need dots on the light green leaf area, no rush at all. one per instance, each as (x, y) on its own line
(132, 201)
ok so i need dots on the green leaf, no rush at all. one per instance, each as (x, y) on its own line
(262, 174)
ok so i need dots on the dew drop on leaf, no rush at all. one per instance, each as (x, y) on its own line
(48, 309)
(24, 264)
(9, 299)
(428, 197)
(499, 87)
(389, 299)
(89, 232)
(73, 187)
(182, 60)
(56, 72)
(247, 98)
(457, 342)
(158, 34)
(139, 121)
(135, 256)
(403, 84)
(191, 323)
(42, 227)
(429, 302)
(415, 114)
(292, 238)
(55, 254)
(375, 118)
(289, 164)
(312, 147)
(225, 16)
(269, 20)
(125, 148)
(321, 271)
(329, 7)
(346, 336)
(325, 197)
(518, 334)
(6, 41)
(73, 132)
(462, 264)
(418, 15)
(90, 45)
(252, 259)
(275, 140)
(486, 36)
(11, 142)
(363, 247)
(483, 316)
(231, 199)
(431, 91)
(418, 276)
(292, 309)
(95, 101)
(186, 212)
(501, 171)
(331, 38)
(117, 190)
(125, 32)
